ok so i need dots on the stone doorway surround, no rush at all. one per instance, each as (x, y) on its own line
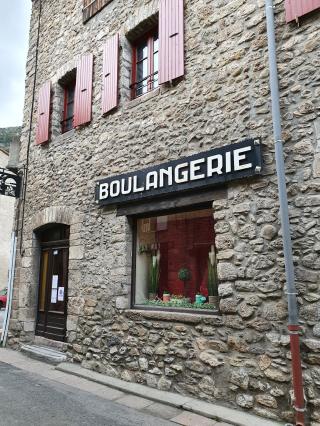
(25, 297)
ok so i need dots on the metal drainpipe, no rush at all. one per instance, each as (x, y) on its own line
(293, 322)
(26, 167)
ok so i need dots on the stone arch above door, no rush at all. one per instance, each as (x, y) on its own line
(56, 214)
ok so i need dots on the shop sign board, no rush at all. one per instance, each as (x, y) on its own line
(196, 172)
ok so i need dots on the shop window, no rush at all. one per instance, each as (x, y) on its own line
(145, 64)
(68, 106)
(298, 8)
(175, 262)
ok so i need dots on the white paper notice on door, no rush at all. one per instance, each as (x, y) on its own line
(60, 294)
(55, 281)
(54, 295)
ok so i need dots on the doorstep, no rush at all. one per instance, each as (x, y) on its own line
(44, 353)
(213, 411)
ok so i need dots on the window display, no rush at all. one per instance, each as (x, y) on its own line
(176, 261)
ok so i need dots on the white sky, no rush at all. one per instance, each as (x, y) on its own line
(14, 34)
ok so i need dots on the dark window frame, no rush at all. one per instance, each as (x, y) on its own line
(67, 90)
(133, 224)
(149, 39)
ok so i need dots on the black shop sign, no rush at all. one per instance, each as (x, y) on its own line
(199, 171)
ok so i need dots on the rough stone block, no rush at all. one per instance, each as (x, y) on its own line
(122, 302)
(76, 252)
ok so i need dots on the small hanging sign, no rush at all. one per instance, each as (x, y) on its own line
(9, 183)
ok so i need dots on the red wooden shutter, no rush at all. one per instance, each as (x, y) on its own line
(43, 113)
(110, 74)
(83, 91)
(297, 8)
(171, 40)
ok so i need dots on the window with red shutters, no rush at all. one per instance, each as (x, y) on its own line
(92, 7)
(171, 40)
(68, 107)
(83, 91)
(297, 8)
(158, 57)
(110, 74)
(44, 100)
(145, 65)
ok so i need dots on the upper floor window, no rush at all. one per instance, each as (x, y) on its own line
(298, 8)
(91, 7)
(68, 107)
(145, 65)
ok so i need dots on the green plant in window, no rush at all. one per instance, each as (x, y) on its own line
(212, 273)
(184, 274)
(183, 304)
(144, 249)
(154, 275)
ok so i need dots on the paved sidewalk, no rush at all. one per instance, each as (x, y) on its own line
(168, 406)
(168, 414)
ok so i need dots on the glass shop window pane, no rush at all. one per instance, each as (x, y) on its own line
(175, 261)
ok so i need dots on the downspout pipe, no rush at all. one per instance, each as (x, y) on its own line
(293, 322)
(26, 167)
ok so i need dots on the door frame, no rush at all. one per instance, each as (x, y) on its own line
(50, 246)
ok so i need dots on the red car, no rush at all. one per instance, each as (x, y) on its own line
(3, 298)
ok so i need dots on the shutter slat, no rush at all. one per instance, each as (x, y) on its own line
(110, 74)
(296, 8)
(44, 100)
(171, 40)
(83, 91)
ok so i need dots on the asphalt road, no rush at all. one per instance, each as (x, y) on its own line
(27, 399)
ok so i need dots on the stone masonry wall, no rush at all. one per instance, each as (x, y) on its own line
(241, 357)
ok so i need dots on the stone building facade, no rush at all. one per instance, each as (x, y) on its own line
(239, 354)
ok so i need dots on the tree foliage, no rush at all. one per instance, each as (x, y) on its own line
(6, 135)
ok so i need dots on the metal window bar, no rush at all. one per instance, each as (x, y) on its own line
(150, 86)
(63, 123)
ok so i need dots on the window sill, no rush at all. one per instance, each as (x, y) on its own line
(143, 98)
(66, 135)
(180, 315)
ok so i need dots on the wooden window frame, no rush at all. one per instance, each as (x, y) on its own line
(92, 7)
(133, 224)
(66, 103)
(148, 37)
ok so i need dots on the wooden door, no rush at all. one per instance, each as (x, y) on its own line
(53, 293)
